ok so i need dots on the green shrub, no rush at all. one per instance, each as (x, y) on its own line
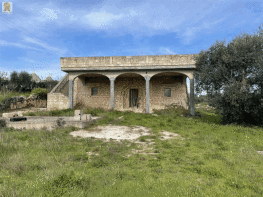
(240, 107)
(2, 123)
(40, 92)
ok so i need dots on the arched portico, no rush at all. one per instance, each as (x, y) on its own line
(91, 89)
(147, 71)
(168, 88)
(130, 90)
(139, 91)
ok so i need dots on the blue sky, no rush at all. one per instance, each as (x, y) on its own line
(37, 33)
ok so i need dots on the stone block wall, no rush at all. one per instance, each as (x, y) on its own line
(57, 101)
(82, 92)
(34, 103)
(19, 102)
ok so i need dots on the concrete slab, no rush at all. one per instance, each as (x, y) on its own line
(77, 118)
(78, 112)
(48, 122)
(86, 117)
(12, 114)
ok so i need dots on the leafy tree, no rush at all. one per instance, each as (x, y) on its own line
(14, 84)
(2, 80)
(25, 81)
(234, 68)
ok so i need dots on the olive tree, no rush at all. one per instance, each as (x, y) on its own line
(233, 68)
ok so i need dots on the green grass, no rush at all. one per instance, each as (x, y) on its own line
(216, 160)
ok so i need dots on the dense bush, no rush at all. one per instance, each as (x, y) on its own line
(40, 92)
(2, 123)
(240, 107)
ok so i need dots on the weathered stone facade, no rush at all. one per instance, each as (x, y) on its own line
(139, 83)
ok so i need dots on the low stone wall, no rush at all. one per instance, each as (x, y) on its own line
(34, 103)
(19, 102)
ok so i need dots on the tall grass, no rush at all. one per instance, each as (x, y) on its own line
(212, 160)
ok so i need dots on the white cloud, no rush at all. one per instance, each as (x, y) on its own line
(140, 18)
(190, 32)
(166, 50)
(47, 13)
(11, 44)
(26, 60)
(44, 45)
(72, 18)
(99, 19)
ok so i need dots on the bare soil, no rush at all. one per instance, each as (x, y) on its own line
(120, 133)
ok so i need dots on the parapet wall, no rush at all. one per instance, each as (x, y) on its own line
(127, 61)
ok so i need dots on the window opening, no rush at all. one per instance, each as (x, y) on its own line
(167, 92)
(94, 91)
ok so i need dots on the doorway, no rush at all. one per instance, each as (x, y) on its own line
(134, 96)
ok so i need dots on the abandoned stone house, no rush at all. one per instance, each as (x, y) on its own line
(137, 83)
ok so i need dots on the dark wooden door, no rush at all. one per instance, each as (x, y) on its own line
(133, 97)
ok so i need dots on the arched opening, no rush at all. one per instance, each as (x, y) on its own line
(129, 92)
(92, 90)
(168, 88)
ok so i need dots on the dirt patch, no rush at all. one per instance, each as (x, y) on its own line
(120, 133)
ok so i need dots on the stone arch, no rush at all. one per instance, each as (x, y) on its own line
(171, 87)
(91, 88)
(129, 91)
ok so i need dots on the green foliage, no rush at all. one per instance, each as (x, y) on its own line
(26, 81)
(14, 84)
(240, 107)
(41, 92)
(235, 68)
(60, 185)
(22, 82)
(2, 123)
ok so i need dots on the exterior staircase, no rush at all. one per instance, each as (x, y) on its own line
(58, 98)
(62, 86)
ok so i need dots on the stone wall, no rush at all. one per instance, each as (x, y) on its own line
(19, 102)
(57, 101)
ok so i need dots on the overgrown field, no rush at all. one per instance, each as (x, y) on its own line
(212, 160)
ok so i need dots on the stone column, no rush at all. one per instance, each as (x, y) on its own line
(112, 92)
(147, 79)
(192, 98)
(70, 93)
